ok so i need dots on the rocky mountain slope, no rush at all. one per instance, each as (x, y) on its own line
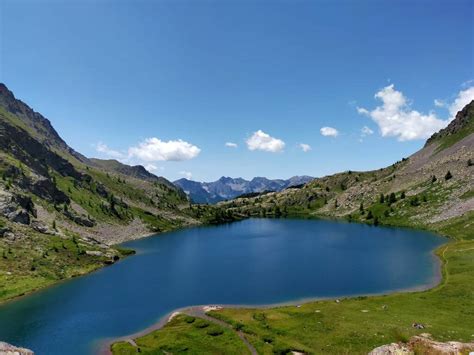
(227, 188)
(430, 189)
(60, 212)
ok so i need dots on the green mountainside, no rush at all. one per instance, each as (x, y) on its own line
(425, 190)
(60, 212)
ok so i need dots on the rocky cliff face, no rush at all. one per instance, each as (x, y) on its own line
(464, 121)
(40, 127)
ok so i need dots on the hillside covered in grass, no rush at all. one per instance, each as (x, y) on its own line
(60, 212)
(425, 190)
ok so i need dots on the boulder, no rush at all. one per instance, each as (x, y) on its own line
(423, 344)
(41, 227)
(19, 216)
(4, 231)
(94, 253)
(26, 203)
(392, 349)
(82, 221)
(7, 349)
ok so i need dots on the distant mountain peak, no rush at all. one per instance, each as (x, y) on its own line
(226, 188)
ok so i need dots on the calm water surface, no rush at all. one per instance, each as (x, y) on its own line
(256, 261)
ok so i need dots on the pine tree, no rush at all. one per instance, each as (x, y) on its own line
(382, 198)
(392, 198)
(370, 215)
(448, 175)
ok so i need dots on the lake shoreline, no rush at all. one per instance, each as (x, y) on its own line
(151, 234)
(130, 252)
(104, 345)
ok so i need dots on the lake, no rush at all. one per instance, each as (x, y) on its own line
(252, 262)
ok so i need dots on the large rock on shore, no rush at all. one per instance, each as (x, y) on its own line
(425, 345)
(7, 349)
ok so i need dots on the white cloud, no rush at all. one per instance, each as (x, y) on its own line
(395, 117)
(362, 111)
(366, 131)
(105, 150)
(305, 147)
(231, 145)
(439, 103)
(152, 168)
(263, 141)
(464, 97)
(329, 132)
(186, 174)
(154, 149)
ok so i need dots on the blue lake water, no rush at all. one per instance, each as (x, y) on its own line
(256, 261)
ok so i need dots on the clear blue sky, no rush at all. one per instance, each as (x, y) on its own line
(114, 73)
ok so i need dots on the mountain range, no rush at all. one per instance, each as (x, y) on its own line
(227, 188)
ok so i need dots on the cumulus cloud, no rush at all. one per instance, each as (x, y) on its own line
(463, 98)
(105, 150)
(395, 117)
(439, 103)
(366, 131)
(263, 141)
(362, 111)
(231, 145)
(188, 175)
(152, 168)
(329, 132)
(305, 147)
(154, 149)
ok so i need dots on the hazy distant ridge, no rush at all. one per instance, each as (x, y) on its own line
(228, 188)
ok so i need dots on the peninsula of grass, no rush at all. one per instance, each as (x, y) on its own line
(183, 333)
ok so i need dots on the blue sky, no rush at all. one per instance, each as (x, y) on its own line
(168, 83)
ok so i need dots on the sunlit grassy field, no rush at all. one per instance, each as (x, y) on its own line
(185, 334)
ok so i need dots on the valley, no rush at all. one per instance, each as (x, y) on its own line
(63, 215)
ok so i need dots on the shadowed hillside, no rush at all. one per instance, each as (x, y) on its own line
(60, 211)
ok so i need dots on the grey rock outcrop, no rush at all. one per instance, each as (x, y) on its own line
(424, 344)
(8, 349)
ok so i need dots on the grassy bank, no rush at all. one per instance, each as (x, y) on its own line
(36, 260)
(359, 324)
(185, 334)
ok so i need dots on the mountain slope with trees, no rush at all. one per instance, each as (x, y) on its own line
(426, 190)
(60, 212)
